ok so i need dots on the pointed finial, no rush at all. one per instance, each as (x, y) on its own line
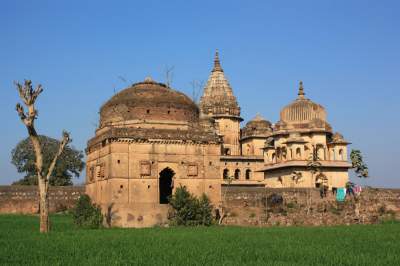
(148, 79)
(217, 64)
(301, 90)
(258, 117)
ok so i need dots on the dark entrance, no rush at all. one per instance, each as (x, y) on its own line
(165, 185)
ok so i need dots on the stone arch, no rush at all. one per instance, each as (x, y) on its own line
(225, 174)
(298, 153)
(341, 154)
(320, 151)
(248, 149)
(165, 185)
(284, 153)
(237, 174)
(248, 174)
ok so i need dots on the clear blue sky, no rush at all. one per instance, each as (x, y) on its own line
(346, 52)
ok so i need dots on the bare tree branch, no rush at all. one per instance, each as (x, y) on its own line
(169, 74)
(197, 87)
(65, 140)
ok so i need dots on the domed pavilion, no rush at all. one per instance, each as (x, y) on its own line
(301, 138)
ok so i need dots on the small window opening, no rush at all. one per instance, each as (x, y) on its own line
(237, 174)
(226, 174)
(248, 174)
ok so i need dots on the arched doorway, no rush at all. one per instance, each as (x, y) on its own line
(165, 185)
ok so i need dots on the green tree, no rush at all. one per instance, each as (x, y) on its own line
(358, 164)
(204, 213)
(188, 210)
(86, 214)
(70, 162)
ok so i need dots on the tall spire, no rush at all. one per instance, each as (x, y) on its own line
(218, 98)
(217, 64)
(301, 90)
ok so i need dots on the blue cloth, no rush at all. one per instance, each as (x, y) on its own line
(341, 194)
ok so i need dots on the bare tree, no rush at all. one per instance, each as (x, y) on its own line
(169, 75)
(28, 96)
(197, 87)
(314, 166)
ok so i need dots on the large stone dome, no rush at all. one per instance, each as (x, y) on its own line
(148, 101)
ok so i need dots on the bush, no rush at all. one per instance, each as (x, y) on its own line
(86, 214)
(188, 210)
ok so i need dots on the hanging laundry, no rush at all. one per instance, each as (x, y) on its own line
(341, 194)
(357, 190)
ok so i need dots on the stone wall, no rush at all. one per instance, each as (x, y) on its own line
(248, 206)
(24, 199)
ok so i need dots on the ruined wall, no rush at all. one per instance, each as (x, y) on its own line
(24, 199)
(247, 206)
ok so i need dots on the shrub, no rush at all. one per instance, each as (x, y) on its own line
(204, 213)
(291, 205)
(86, 214)
(188, 210)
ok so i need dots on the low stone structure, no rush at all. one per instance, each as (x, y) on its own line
(260, 206)
(25, 199)
(247, 206)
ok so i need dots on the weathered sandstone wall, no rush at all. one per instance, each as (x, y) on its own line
(248, 206)
(24, 199)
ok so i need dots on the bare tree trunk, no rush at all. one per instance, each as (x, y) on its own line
(29, 95)
(44, 207)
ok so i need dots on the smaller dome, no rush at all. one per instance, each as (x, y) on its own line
(258, 122)
(303, 113)
(338, 138)
(258, 126)
(302, 109)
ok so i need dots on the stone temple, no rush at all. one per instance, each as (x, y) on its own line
(152, 139)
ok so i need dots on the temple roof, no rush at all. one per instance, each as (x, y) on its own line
(148, 100)
(257, 127)
(303, 114)
(218, 98)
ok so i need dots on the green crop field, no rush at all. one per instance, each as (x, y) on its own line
(353, 245)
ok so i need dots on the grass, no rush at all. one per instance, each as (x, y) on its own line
(20, 243)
